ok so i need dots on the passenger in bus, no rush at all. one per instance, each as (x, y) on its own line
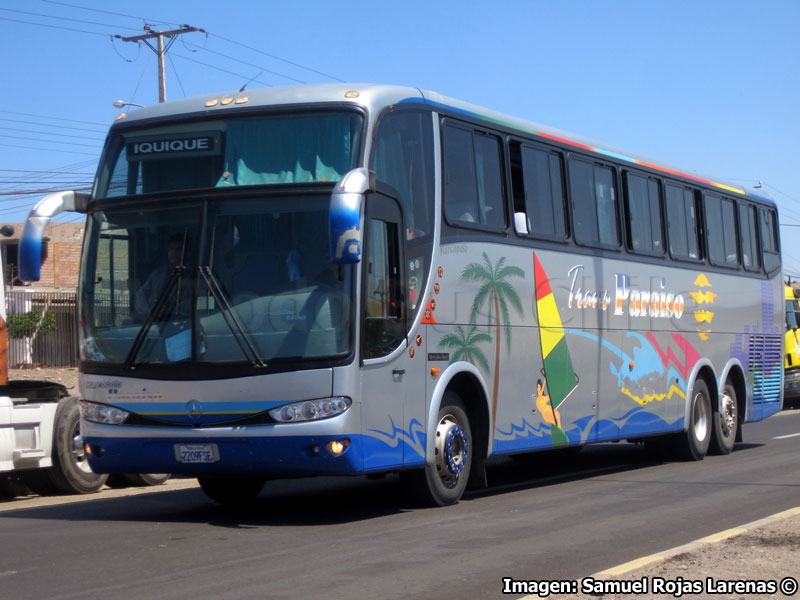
(177, 255)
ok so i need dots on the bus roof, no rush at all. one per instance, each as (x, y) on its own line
(377, 96)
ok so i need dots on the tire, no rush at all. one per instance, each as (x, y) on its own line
(725, 421)
(443, 482)
(123, 480)
(232, 490)
(70, 472)
(693, 443)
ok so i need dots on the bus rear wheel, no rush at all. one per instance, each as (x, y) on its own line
(443, 483)
(232, 490)
(693, 443)
(725, 421)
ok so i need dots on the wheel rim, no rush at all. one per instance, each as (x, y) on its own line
(700, 417)
(452, 450)
(79, 458)
(727, 415)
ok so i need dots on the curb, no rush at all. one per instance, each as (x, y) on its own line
(695, 545)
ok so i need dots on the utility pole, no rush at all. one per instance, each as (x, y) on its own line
(160, 49)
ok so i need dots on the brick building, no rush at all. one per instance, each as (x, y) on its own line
(61, 250)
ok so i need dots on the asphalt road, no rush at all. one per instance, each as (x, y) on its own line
(546, 517)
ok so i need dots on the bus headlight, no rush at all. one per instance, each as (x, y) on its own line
(310, 410)
(102, 413)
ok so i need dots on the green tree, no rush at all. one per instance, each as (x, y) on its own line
(465, 346)
(495, 294)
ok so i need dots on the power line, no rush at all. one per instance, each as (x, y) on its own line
(101, 132)
(29, 139)
(249, 64)
(69, 135)
(54, 26)
(108, 12)
(221, 69)
(23, 12)
(289, 62)
(48, 149)
(13, 112)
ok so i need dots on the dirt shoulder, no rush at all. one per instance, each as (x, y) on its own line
(66, 377)
(752, 561)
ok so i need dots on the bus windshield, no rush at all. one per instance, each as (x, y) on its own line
(223, 280)
(263, 150)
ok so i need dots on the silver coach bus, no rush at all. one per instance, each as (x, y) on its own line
(354, 279)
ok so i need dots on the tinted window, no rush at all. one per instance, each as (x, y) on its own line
(682, 223)
(643, 209)
(403, 158)
(473, 178)
(593, 204)
(751, 258)
(544, 193)
(769, 239)
(721, 231)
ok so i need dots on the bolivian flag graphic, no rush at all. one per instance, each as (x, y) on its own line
(558, 370)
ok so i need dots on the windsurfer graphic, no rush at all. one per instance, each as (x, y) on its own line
(557, 362)
(549, 414)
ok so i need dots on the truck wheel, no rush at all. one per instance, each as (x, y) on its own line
(71, 472)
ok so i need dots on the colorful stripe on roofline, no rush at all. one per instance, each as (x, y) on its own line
(582, 146)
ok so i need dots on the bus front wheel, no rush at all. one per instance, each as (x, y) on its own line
(443, 482)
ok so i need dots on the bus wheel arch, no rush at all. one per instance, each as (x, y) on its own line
(476, 404)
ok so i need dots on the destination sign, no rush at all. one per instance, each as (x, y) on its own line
(173, 146)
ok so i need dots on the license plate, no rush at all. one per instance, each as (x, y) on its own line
(196, 453)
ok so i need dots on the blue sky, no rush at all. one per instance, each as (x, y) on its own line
(711, 86)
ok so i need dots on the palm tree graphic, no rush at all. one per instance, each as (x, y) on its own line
(495, 294)
(465, 345)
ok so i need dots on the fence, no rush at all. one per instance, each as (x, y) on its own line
(57, 348)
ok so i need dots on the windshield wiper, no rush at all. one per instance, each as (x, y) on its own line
(159, 310)
(231, 320)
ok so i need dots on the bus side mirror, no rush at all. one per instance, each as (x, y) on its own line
(344, 219)
(30, 244)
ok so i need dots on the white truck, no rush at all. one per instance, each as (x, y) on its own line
(40, 442)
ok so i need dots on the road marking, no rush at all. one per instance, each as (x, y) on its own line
(784, 437)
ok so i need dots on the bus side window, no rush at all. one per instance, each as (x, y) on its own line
(751, 257)
(538, 192)
(594, 204)
(643, 211)
(769, 239)
(682, 223)
(721, 231)
(473, 178)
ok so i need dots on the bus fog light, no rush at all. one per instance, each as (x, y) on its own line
(310, 410)
(336, 447)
